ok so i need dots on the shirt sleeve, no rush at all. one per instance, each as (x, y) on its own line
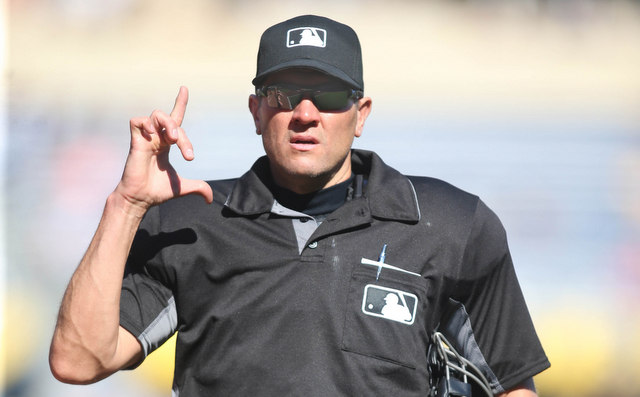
(147, 305)
(488, 319)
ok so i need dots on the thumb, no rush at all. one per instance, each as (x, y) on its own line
(195, 186)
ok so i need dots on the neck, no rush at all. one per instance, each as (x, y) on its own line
(320, 202)
(304, 184)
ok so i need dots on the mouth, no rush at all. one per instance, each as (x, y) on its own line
(303, 142)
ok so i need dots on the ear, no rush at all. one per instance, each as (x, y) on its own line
(254, 107)
(363, 110)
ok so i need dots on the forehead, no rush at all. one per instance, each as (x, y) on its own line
(301, 77)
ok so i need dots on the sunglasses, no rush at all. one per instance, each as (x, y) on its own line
(279, 97)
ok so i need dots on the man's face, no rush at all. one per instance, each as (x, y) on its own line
(308, 149)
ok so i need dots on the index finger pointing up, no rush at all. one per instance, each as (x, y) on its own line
(180, 106)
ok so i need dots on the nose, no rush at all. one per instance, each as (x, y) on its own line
(306, 113)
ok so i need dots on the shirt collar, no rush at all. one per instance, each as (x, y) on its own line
(390, 194)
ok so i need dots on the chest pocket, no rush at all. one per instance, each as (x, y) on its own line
(384, 316)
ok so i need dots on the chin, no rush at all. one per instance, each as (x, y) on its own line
(308, 174)
(304, 167)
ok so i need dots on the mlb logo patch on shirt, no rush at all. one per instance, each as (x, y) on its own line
(308, 36)
(389, 303)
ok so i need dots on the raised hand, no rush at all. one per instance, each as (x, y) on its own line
(148, 178)
(89, 344)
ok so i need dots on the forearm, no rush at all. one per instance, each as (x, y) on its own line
(85, 346)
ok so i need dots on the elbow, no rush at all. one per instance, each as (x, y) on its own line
(68, 369)
(63, 372)
(66, 372)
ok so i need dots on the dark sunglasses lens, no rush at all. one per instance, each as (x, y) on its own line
(332, 100)
(284, 98)
(292, 98)
(279, 99)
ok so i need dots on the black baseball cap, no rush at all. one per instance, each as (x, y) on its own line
(313, 42)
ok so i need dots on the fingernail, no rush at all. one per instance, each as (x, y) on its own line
(174, 133)
(189, 152)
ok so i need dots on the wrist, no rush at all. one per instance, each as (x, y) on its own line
(132, 208)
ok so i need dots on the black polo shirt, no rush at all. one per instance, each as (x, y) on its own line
(260, 313)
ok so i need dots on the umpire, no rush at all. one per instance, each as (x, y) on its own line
(321, 271)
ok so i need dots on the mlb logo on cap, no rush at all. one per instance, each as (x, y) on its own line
(314, 37)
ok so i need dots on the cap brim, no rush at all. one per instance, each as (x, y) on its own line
(308, 64)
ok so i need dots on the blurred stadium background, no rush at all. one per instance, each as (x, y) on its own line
(533, 105)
